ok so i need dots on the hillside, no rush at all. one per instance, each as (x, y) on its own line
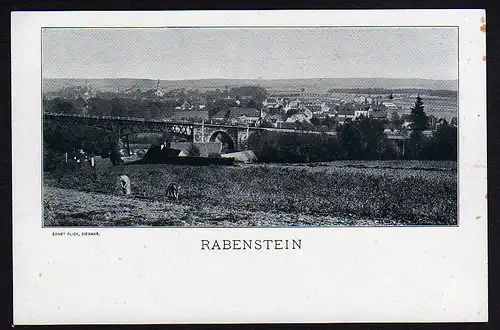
(309, 84)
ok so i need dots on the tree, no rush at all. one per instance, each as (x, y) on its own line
(363, 138)
(251, 103)
(218, 105)
(418, 117)
(316, 121)
(432, 120)
(294, 147)
(256, 93)
(330, 122)
(419, 122)
(59, 105)
(416, 146)
(304, 125)
(372, 135)
(396, 121)
(443, 144)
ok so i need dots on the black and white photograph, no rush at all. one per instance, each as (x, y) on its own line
(253, 166)
(250, 126)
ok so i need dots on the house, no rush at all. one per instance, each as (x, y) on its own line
(378, 113)
(275, 119)
(388, 131)
(271, 103)
(184, 106)
(361, 112)
(159, 93)
(285, 124)
(345, 112)
(235, 116)
(263, 114)
(342, 120)
(320, 116)
(278, 124)
(359, 99)
(298, 117)
(201, 149)
(325, 107)
(292, 105)
(331, 113)
(308, 113)
(407, 125)
(315, 109)
(390, 105)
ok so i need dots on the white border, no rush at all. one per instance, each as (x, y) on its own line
(156, 275)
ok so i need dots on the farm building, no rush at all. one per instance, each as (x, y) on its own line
(202, 149)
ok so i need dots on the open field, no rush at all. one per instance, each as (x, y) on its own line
(440, 107)
(343, 193)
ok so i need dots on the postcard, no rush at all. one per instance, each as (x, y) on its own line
(249, 166)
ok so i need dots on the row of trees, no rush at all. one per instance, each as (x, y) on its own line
(272, 147)
(362, 139)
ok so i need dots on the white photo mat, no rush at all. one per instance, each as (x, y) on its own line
(160, 275)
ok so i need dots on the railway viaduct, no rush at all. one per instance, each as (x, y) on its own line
(232, 137)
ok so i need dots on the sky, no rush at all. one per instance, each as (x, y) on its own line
(250, 53)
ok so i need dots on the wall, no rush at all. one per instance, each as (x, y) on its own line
(206, 148)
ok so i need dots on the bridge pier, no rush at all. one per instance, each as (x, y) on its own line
(114, 146)
(128, 144)
(237, 135)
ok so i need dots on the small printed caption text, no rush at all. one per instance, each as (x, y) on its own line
(75, 233)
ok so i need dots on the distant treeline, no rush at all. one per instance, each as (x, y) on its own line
(120, 107)
(410, 91)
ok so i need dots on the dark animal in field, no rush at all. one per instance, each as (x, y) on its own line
(173, 190)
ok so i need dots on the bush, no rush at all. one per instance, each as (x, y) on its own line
(364, 138)
(294, 147)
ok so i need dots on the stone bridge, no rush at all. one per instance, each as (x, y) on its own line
(232, 137)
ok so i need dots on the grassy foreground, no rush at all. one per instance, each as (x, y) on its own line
(325, 194)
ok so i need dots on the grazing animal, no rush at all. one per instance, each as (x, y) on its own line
(125, 184)
(173, 190)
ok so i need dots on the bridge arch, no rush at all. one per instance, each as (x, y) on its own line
(228, 144)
